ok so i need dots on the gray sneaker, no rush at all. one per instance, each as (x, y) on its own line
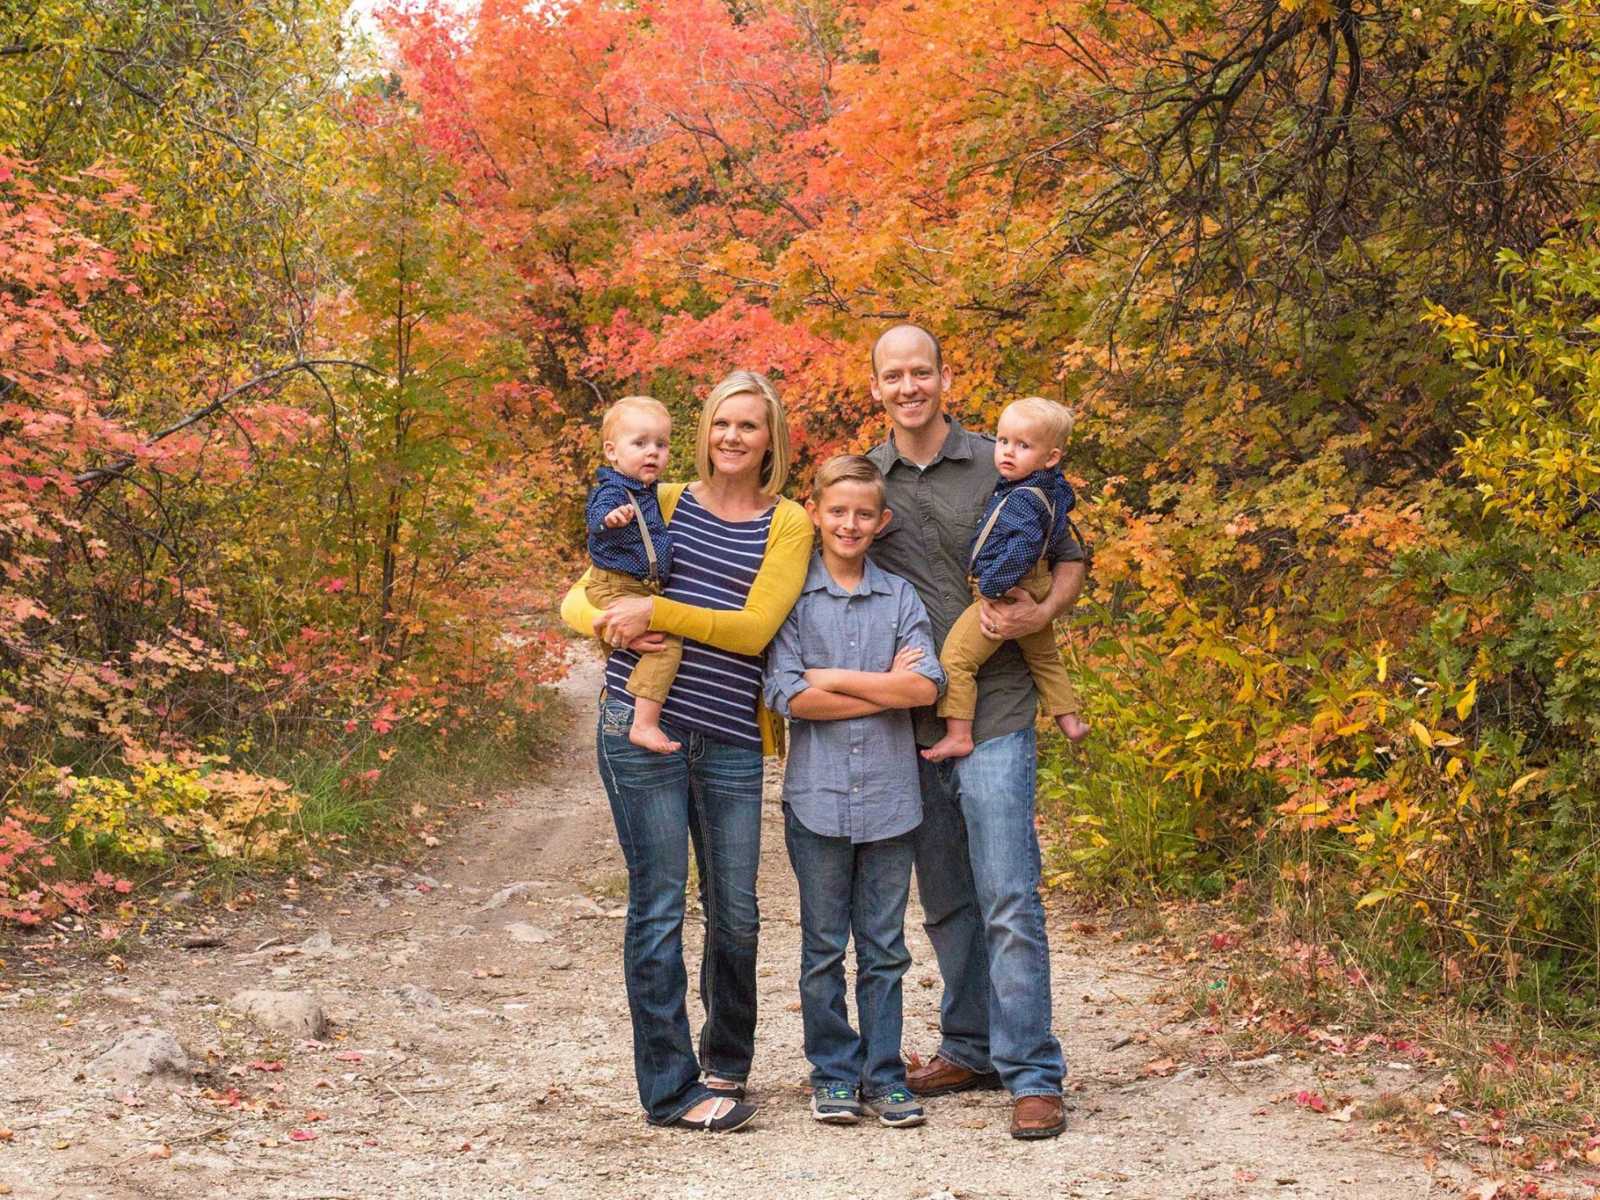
(835, 1104)
(898, 1109)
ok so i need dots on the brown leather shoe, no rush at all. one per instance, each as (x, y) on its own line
(939, 1077)
(1038, 1117)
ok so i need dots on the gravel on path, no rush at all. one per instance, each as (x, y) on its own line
(480, 1047)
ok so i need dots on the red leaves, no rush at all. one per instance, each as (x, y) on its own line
(1311, 1100)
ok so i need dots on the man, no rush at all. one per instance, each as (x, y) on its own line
(976, 852)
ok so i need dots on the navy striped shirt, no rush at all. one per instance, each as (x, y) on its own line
(714, 562)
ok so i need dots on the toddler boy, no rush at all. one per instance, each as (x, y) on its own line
(630, 548)
(853, 657)
(1027, 510)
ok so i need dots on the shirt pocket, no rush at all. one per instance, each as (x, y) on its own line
(882, 637)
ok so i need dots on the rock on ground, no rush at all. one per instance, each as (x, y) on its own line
(298, 1014)
(143, 1056)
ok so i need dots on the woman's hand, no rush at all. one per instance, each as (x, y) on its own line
(624, 620)
(648, 643)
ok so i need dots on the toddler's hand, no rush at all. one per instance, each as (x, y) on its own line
(906, 658)
(618, 516)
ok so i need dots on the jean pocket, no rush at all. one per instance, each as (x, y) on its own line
(616, 718)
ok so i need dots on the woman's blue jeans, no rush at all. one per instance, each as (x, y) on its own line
(706, 794)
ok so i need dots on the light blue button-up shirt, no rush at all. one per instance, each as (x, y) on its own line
(855, 778)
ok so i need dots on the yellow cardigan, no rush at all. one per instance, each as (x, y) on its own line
(745, 630)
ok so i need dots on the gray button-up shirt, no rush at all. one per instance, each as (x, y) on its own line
(855, 778)
(936, 514)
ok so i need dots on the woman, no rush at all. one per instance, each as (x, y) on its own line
(740, 554)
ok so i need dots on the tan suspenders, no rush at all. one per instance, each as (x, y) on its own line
(649, 546)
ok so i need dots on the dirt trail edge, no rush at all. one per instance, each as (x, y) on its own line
(479, 1047)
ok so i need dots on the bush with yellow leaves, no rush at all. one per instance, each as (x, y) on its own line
(167, 807)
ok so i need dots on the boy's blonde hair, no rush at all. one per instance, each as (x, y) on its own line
(608, 423)
(775, 466)
(847, 468)
(1052, 419)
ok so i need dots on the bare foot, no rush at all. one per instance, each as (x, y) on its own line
(949, 746)
(650, 737)
(1074, 726)
(709, 1108)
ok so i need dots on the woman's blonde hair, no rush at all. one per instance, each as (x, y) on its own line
(775, 466)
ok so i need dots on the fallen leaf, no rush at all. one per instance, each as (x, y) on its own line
(302, 1135)
(262, 1064)
(6, 1135)
(1343, 1114)
(313, 1115)
(1312, 1101)
(1159, 1067)
(1243, 1176)
(1488, 1189)
(348, 1056)
(161, 1151)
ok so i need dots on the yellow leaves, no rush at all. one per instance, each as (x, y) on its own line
(1524, 781)
(1421, 733)
(234, 814)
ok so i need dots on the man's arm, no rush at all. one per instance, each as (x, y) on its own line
(1023, 615)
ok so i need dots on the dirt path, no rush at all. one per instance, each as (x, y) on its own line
(475, 1060)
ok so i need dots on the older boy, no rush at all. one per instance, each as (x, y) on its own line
(853, 657)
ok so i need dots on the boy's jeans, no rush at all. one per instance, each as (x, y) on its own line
(709, 792)
(978, 877)
(850, 888)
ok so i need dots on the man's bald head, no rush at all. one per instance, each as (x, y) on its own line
(904, 330)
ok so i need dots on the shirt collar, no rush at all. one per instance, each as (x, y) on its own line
(957, 447)
(612, 475)
(818, 579)
(1045, 480)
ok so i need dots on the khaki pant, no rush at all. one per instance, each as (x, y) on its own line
(966, 650)
(652, 678)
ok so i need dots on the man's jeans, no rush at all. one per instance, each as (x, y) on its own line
(977, 855)
(850, 888)
(709, 793)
